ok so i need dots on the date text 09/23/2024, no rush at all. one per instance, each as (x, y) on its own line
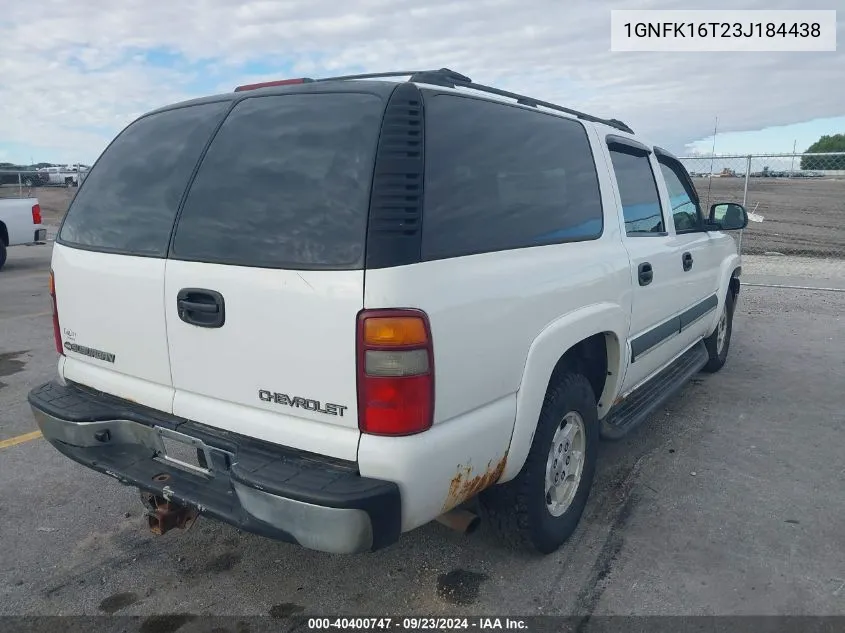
(416, 624)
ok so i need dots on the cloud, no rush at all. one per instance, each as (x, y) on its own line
(75, 73)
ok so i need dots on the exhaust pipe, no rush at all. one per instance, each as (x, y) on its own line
(460, 520)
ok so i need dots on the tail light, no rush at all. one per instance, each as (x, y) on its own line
(57, 333)
(395, 372)
(36, 214)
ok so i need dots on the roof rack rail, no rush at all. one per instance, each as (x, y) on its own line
(309, 80)
(451, 79)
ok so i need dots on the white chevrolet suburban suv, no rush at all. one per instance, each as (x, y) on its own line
(331, 311)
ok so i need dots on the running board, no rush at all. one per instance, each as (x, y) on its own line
(652, 395)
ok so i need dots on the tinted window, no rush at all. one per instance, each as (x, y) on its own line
(500, 177)
(685, 211)
(638, 189)
(129, 200)
(285, 184)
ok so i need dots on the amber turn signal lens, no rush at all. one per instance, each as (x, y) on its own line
(394, 331)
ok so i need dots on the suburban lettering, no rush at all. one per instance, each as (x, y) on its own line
(89, 351)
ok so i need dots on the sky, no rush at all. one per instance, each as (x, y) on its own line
(73, 74)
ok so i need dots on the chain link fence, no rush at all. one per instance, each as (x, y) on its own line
(54, 197)
(796, 202)
(14, 183)
(22, 182)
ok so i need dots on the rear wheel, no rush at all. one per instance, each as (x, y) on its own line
(2, 253)
(719, 342)
(27, 182)
(542, 506)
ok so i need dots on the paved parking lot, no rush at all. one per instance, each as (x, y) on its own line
(731, 500)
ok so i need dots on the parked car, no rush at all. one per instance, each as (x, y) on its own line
(20, 224)
(402, 295)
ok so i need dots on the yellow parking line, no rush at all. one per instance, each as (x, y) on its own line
(41, 275)
(27, 316)
(20, 439)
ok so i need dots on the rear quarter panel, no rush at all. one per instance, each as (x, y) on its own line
(500, 322)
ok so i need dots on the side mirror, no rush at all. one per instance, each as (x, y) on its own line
(728, 216)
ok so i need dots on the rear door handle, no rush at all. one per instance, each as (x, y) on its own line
(196, 306)
(686, 259)
(645, 273)
(201, 307)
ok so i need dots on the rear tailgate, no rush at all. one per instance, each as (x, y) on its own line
(109, 259)
(265, 278)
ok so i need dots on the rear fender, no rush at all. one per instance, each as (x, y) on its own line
(546, 350)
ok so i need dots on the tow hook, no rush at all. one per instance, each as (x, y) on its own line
(164, 515)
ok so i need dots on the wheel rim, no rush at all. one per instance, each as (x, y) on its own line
(722, 330)
(565, 463)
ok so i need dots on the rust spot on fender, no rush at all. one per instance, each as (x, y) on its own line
(465, 484)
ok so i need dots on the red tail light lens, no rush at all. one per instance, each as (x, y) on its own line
(57, 332)
(36, 214)
(395, 372)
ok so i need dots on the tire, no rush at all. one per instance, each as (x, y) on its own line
(519, 510)
(28, 183)
(719, 342)
(2, 254)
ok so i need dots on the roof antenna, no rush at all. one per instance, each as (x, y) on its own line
(712, 158)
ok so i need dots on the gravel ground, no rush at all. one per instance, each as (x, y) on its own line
(728, 501)
(801, 216)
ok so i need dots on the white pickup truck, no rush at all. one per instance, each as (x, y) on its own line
(20, 224)
(68, 176)
(339, 309)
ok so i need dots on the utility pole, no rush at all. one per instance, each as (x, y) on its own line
(792, 166)
(712, 158)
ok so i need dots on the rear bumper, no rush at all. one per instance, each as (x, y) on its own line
(317, 502)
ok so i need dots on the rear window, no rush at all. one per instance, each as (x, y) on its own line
(500, 177)
(285, 184)
(130, 198)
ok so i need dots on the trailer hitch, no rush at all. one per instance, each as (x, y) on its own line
(164, 515)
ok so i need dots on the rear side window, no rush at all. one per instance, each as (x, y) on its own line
(638, 189)
(500, 177)
(285, 184)
(129, 200)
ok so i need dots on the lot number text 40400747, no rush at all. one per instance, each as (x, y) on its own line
(417, 624)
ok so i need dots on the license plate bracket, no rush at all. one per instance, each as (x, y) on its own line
(183, 451)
